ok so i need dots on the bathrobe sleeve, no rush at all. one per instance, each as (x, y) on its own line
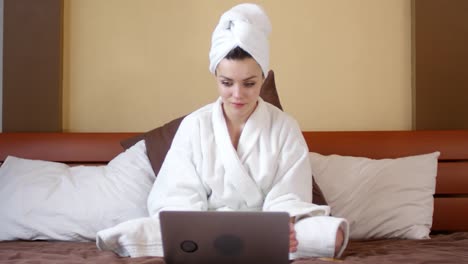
(292, 192)
(292, 187)
(178, 185)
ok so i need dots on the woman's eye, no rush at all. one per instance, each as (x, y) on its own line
(249, 84)
(224, 83)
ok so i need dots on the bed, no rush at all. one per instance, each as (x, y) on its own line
(449, 227)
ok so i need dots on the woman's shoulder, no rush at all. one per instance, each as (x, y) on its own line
(201, 113)
(278, 116)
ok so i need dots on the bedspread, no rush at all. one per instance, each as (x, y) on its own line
(447, 248)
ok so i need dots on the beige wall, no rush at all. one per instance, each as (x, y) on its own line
(134, 65)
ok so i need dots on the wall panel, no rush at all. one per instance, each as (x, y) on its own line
(440, 64)
(32, 66)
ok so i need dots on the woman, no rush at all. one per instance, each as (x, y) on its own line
(238, 153)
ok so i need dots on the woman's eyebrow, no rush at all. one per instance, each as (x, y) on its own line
(251, 77)
(224, 77)
(246, 79)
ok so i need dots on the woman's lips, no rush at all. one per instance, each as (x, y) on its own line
(238, 105)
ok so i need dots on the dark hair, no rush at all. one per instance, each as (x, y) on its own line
(238, 53)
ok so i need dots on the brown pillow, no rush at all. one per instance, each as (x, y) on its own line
(317, 195)
(158, 141)
(268, 92)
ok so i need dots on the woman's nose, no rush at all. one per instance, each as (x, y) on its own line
(236, 91)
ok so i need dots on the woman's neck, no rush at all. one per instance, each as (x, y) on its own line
(235, 128)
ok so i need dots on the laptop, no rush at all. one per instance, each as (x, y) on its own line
(206, 237)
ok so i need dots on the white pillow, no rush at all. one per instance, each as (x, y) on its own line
(52, 201)
(387, 198)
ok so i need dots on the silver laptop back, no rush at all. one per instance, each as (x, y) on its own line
(225, 237)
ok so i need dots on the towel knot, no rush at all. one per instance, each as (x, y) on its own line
(245, 26)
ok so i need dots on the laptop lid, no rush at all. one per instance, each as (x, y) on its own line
(225, 237)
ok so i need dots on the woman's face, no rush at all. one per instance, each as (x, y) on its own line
(239, 83)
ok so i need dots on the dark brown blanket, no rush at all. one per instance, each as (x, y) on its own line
(452, 248)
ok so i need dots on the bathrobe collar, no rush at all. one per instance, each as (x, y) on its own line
(233, 160)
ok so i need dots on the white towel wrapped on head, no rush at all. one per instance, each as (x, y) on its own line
(246, 26)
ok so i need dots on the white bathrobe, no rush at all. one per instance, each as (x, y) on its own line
(269, 171)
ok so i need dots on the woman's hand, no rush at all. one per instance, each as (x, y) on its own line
(339, 240)
(292, 237)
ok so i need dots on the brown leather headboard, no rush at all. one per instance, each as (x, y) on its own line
(63, 147)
